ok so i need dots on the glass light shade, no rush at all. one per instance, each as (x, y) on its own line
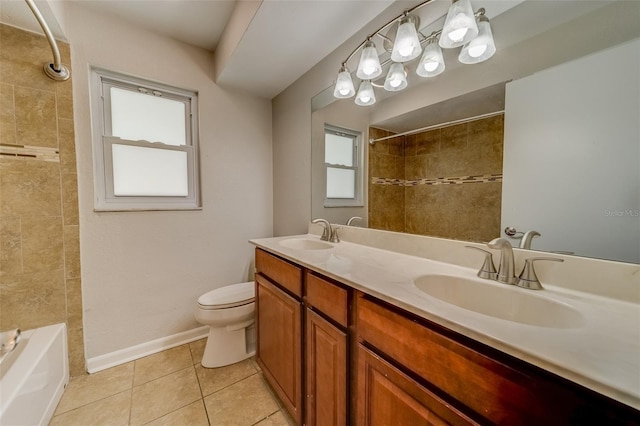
(460, 25)
(369, 66)
(396, 78)
(344, 85)
(365, 96)
(407, 44)
(480, 48)
(432, 62)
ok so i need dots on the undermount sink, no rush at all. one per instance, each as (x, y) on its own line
(305, 244)
(501, 301)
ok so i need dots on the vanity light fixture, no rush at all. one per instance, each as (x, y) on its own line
(366, 95)
(460, 25)
(432, 61)
(344, 84)
(407, 44)
(396, 78)
(404, 41)
(480, 48)
(369, 66)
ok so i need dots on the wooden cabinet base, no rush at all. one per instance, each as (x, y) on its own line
(279, 350)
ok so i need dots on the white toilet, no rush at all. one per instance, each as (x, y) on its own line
(230, 314)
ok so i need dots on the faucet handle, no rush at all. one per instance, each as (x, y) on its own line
(528, 278)
(334, 235)
(488, 269)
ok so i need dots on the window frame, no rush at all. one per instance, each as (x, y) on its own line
(103, 140)
(358, 159)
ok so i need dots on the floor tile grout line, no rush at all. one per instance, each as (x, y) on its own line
(92, 402)
(179, 408)
(229, 385)
(133, 379)
(266, 417)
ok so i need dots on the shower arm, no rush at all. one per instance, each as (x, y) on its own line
(56, 70)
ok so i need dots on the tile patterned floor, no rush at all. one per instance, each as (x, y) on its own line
(171, 388)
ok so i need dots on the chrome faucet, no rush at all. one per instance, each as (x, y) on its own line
(352, 219)
(506, 270)
(329, 233)
(525, 242)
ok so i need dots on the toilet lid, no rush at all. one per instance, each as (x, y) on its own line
(228, 296)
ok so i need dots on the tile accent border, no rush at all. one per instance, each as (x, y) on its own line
(26, 152)
(458, 180)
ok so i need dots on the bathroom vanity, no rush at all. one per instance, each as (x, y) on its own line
(345, 336)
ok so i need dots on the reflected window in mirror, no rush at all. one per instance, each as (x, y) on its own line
(342, 164)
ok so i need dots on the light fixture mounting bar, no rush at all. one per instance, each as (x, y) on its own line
(387, 25)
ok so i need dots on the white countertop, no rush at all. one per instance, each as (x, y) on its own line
(602, 354)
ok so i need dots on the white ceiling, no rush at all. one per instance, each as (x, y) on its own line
(284, 39)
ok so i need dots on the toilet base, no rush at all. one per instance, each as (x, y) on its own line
(226, 347)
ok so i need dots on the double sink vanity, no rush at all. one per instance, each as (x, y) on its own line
(351, 333)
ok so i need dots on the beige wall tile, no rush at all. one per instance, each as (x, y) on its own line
(70, 198)
(64, 97)
(32, 300)
(7, 115)
(10, 245)
(231, 405)
(66, 138)
(111, 411)
(90, 388)
(77, 365)
(29, 188)
(22, 56)
(72, 251)
(74, 302)
(42, 247)
(158, 365)
(428, 142)
(192, 415)
(35, 110)
(162, 396)
(36, 123)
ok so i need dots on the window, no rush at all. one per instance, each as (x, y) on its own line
(145, 145)
(343, 174)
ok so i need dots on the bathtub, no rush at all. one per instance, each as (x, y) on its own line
(33, 377)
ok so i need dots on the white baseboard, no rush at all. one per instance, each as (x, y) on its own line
(125, 355)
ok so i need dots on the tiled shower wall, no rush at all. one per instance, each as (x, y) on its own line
(39, 232)
(445, 182)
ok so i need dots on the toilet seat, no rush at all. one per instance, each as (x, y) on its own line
(230, 296)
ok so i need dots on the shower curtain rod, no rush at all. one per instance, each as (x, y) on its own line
(54, 70)
(437, 126)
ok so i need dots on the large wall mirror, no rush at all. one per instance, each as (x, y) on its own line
(543, 139)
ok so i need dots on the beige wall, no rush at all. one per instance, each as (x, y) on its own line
(39, 248)
(143, 271)
(292, 134)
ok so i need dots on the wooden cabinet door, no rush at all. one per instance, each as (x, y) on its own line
(326, 373)
(279, 348)
(386, 396)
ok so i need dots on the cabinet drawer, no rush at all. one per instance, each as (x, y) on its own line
(491, 388)
(388, 396)
(280, 271)
(328, 298)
